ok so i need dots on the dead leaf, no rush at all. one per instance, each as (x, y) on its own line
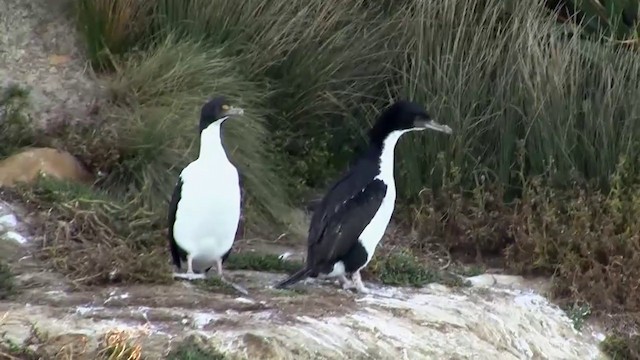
(59, 59)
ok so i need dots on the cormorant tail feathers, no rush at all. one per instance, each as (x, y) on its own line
(299, 275)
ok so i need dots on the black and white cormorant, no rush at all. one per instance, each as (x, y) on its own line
(205, 206)
(353, 215)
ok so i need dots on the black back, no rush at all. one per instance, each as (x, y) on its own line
(343, 214)
(211, 111)
(351, 203)
(177, 254)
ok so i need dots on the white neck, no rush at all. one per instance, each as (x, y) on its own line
(387, 155)
(211, 143)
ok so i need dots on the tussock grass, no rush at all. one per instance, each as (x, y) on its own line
(500, 77)
(110, 27)
(149, 130)
(318, 60)
(93, 239)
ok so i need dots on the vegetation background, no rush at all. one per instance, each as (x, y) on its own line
(541, 175)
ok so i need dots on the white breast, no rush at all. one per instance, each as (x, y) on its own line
(374, 232)
(209, 209)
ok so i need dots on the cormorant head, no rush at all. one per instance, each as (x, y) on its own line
(217, 110)
(404, 116)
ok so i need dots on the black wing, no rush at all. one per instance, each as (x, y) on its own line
(343, 214)
(177, 253)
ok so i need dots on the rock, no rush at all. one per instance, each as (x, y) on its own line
(8, 221)
(14, 236)
(435, 322)
(27, 165)
(36, 36)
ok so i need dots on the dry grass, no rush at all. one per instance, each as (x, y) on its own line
(120, 345)
(93, 239)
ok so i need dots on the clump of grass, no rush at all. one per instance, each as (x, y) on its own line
(7, 283)
(621, 347)
(548, 83)
(119, 345)
(16, 130)
(194, 348)
(405, 269)
(261, 262)
(93, 239)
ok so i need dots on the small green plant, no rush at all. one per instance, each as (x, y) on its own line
(260, 262)
(578, 314)
(193, 348)
(7, 284)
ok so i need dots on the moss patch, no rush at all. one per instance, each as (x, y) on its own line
(405, 269)
(260, 262)
(194, 348)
